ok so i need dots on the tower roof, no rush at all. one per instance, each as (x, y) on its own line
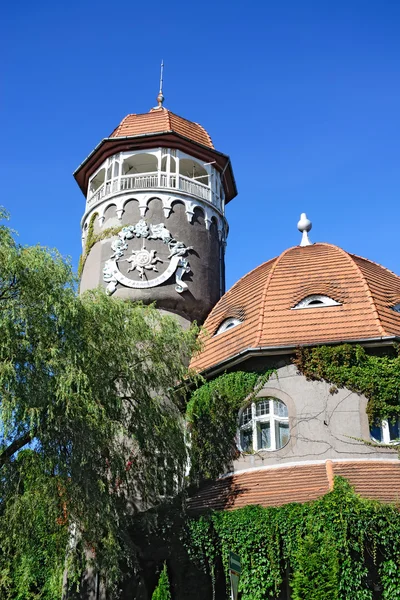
(158, 127)
(161, 120)
(270, 312)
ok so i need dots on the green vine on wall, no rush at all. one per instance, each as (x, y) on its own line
(212, 415)
(338, 547)
(92, 239)
(375, 376)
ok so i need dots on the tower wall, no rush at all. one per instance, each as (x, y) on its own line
(200, 227)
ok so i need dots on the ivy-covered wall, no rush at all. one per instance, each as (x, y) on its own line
(339, 547)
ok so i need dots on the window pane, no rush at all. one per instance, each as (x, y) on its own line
(264, 436)
(394, 430)
(262, 408)
(280, 409)
(282, 434)
(246, 416)
(246, 440)
(376, 433)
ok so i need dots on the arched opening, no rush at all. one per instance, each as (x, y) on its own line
(97, 181)
(193, 170)
(139, 163)
(172, 166)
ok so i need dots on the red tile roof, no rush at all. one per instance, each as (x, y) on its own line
(161, 120)
(379, 480)
(365, 290)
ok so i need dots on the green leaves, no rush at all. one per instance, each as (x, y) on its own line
(212, 414)
(87, 381)
(162, 590)
(335, 548)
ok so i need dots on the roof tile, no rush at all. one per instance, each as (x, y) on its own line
(378, 480)
(366, 292)
(160, 120)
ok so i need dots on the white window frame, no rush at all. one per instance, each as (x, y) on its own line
(386, 439)
(227, 324)
(325, 301)
(256, 420)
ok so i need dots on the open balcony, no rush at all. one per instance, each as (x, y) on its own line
(154, 171)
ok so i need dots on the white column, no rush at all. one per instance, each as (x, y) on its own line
(177, 158)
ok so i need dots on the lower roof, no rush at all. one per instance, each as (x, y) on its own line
(271, 486)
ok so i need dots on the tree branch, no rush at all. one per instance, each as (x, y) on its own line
(14, 447)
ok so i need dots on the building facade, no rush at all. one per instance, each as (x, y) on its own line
(154, 229)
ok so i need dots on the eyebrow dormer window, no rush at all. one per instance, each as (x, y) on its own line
(396, 308)
(228, 324)
(316, 301)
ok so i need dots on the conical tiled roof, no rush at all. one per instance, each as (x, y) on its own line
(161, 120)
(264, 300)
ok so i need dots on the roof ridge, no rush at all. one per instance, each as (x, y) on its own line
(373, 262)
(118, 127)
(365, 285)
(264, 295)
(188, 121)
(230, 291)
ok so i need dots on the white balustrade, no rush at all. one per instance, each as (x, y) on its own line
(151, 181)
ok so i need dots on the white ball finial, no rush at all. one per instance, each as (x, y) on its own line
(304, 225)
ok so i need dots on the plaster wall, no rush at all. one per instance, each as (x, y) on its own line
(206, 279)
(322, 424)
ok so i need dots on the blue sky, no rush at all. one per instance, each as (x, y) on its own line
(304, 97)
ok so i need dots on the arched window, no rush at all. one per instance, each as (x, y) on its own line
(264, 425)
(228, 324)
(316, 301)
(386, 432)
(396, 308)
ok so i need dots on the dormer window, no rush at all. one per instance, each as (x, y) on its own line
(228, 324)
(396, 308)
(316, 301)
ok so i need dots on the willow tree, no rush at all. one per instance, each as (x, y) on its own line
(87, 411)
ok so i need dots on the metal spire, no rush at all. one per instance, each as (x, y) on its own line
(160, 97)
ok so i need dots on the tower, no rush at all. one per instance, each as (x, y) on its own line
(154, 226)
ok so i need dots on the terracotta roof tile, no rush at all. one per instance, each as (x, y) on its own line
(378, 480)
(266, 295)
(161, 120)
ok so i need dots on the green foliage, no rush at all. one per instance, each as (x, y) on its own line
(162, 590)
(86, 381)
(338, 547)
(317, 573)
(92, 239)
(212, 414)
(34, 531)
(376, 377)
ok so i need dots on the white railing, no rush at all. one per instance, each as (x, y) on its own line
(194, 188)
(149, 181)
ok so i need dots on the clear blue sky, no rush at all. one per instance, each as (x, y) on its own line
(303, 95)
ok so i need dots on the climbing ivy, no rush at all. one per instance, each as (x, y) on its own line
(212, 415)
(338, 547)
(375, 376)
(92, 239)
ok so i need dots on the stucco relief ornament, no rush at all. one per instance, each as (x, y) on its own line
(144, 260)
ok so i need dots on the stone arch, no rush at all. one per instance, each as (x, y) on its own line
(131, 210)
(155, 208)
(199, 216)
(110, 211)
